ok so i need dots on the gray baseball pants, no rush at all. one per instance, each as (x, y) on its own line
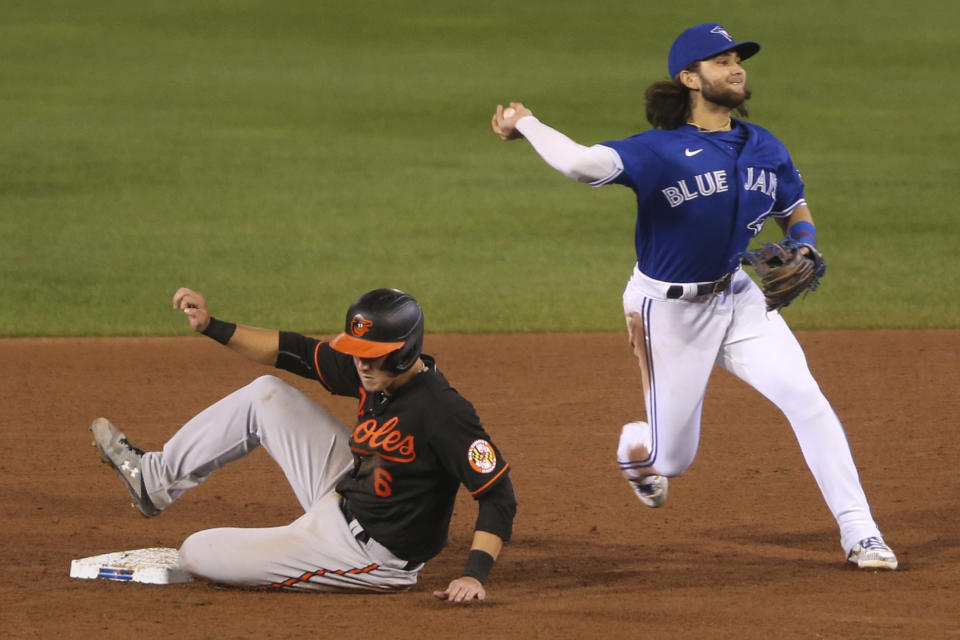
(320, 550)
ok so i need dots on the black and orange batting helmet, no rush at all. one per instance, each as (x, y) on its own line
(382, 322)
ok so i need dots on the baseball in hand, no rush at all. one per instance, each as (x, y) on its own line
(509, 112)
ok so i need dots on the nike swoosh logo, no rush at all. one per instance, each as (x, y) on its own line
(690, 154)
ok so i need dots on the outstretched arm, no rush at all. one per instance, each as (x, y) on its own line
(572, 159)
(259, 345)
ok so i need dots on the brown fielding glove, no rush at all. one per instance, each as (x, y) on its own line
(785, 272)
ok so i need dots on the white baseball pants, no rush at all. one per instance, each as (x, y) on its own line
(677, 343)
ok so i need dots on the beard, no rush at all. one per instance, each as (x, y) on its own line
(724, 95)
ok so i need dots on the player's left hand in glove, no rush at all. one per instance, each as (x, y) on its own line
(786, 269)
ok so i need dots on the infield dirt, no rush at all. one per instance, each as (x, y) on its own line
(743, 548)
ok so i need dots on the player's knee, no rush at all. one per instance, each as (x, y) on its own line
(267, 387)
(638, 455)
(805, 405)
(267, 382)
(190, 554)
(634, 444)
(198, 556)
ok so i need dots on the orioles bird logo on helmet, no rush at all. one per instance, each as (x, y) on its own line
(360, 325)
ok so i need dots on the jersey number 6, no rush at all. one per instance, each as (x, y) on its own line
(381, 482)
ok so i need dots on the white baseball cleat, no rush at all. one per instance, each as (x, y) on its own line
(651, 490)
(117, 451)
(873, 553)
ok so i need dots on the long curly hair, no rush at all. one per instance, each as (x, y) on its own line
(668, 102)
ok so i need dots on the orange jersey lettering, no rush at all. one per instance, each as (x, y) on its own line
(385, 440)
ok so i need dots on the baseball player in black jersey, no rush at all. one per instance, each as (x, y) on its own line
(377, 497)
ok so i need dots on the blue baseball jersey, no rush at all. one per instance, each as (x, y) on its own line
(702, 196)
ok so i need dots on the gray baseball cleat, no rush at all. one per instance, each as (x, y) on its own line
(873, 553)
(651, 490)
(117, 451)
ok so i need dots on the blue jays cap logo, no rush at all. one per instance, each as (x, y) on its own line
(723, 32)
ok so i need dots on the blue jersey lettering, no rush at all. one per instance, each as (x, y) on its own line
(702, 196)
(707, 185)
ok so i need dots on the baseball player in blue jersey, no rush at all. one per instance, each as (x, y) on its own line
(705, 184)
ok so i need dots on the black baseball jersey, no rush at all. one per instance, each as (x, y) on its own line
(412, 450)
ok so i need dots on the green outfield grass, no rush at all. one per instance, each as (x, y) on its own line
(283, 157)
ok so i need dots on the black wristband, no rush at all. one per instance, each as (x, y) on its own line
(478, 565)
(219, 330)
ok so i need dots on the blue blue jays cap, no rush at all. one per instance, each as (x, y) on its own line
(705, 41)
